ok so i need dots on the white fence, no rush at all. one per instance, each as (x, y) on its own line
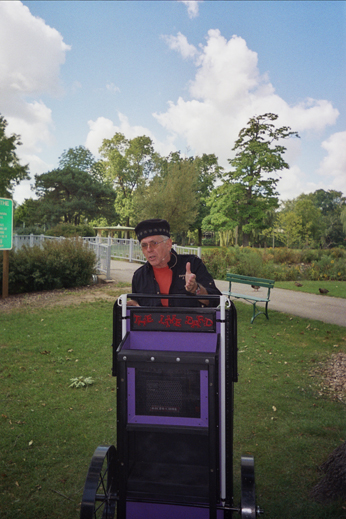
(105, 249)
(31, 239)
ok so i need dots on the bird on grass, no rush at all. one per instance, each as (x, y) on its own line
(255, 287)
(323, 291)
(298, 284)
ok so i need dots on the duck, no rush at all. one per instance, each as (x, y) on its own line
(323, 291)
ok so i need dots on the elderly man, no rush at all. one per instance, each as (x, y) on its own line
(167, 272)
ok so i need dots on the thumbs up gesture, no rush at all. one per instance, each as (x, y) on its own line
(190, 279)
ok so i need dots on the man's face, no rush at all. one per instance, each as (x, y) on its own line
(157, 255)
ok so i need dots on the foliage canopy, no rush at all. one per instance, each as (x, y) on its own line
(249, 189)
(132, 181)
(172, 196)
(73, 192)
(126, 164)
(11, 171)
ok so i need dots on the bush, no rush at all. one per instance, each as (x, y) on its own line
(68, 230)
(310, 255)
(249, 263)
(65, 264)
(338, 253)
(218, 262)
(327, 268)
(280, 264)
(208, 242)
(280, 272)
(285, 255)
(28, 230)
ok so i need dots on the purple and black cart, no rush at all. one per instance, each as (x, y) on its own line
(173, 459)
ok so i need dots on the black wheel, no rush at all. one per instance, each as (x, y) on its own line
(99, 496)
(248, 495)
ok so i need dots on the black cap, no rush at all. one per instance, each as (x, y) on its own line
(154, 227)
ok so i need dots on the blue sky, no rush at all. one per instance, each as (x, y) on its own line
(188, 74)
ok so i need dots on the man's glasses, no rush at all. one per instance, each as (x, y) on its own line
(151, 244)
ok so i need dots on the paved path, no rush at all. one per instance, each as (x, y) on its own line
(322, 308)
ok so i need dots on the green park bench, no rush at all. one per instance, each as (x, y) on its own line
(253, 299)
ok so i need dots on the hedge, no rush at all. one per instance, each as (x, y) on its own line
(63, 264)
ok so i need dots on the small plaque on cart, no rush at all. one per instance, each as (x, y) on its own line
(175, 321)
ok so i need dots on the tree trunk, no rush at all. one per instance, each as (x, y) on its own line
(246, 239)
(200, 236)
(236, 233)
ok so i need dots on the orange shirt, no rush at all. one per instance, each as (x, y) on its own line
(164, 278)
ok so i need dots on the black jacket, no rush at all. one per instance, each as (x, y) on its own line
(144, 282)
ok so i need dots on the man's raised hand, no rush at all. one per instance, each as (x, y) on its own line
(190, 279)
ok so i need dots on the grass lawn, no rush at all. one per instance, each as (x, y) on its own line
(284, 415)
(336, 288)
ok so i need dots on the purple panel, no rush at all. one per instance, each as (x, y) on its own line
(167, 420)
(159, 511)
(163, 341)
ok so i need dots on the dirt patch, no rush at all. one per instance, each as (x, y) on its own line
(333, 375)
(63, 297)
(332, 485)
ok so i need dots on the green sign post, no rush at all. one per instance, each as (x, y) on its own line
(6, 231)
(6, 223)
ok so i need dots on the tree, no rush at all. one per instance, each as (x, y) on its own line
(331, 204)
(27, 214)
(208, 171)
(310, 217)
(321, 218)
(81, 159)
(290, 228)
(328, 201)
(249, 188)
(221, 217)
(343, 219)
(268, 233)
(171, 195)
(11, 172)
(70, 194)
(127, 164)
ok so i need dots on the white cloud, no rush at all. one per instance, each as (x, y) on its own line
(31, 54)
(192, 7)
(226, 91)
(227, 72)
(294, 182)
(180, 44)
(104, 128)
(100, 129)
(291, 183)
(35, 122)
(333, 166)
(310, 115)
(222, 97)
